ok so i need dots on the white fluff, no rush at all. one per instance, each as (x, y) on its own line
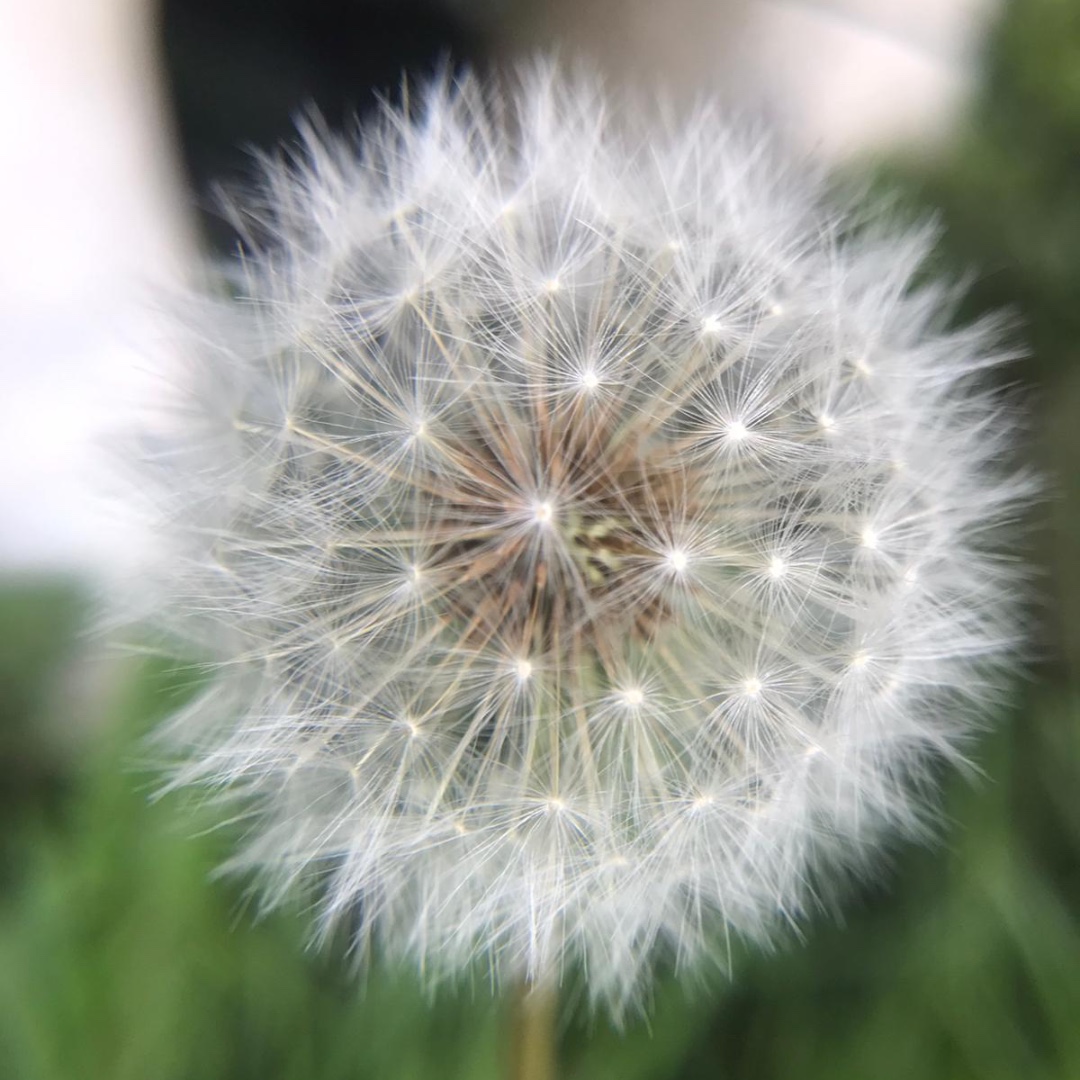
(591, 530)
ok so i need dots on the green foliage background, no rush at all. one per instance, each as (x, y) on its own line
(122, 959)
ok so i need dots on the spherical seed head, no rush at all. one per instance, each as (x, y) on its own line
(569, 604)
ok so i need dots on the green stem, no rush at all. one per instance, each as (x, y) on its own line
(532, 1050)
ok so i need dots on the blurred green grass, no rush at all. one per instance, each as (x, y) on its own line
(122, 959)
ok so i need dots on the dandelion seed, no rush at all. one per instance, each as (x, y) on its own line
(678, 560)
(543, 512)
(737, 431)
(524, 643)
(589, 380)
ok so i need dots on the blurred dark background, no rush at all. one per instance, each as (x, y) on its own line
(121, 958)
(241, 72)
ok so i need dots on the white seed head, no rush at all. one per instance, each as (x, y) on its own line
(587, 777)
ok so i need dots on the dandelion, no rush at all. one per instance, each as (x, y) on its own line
(537, 502)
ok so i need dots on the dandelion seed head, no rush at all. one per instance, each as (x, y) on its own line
(533, 547)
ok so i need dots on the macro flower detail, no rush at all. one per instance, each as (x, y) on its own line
(591, 528)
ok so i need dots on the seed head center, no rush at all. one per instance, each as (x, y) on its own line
(573, 565)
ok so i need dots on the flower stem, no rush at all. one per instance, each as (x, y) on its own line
(532, 1049)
